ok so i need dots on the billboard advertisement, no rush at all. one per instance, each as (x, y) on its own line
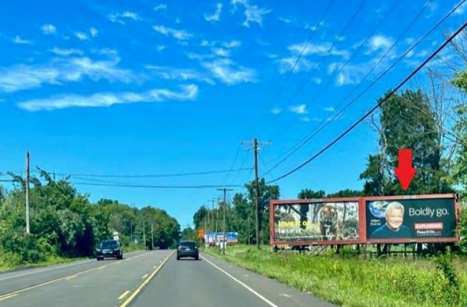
(316, 221)
(410, 219)
(429, 218)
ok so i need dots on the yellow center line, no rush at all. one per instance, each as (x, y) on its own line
(144, 276)
(123, 294)
(145, 282)
(7, 297)
(72, 276)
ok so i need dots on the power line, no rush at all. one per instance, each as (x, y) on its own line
(305, 140)
(146, 186)
(200, 173)
(379, 104)
(305, 47)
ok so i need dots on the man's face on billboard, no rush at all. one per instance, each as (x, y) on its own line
(395, 218)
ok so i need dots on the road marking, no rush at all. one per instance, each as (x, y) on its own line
(144, 276)
(242, 284)
(7, 297)
(16, 292)
(123, 295)
(145, 282)
(72, 276)
(102, 267)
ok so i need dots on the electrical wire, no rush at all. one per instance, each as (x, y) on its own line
(338, 114)
(378, 105)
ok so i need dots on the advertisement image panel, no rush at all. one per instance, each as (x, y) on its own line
(316, 221)
(410, 219)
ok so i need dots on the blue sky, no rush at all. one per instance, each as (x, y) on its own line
(150, 87)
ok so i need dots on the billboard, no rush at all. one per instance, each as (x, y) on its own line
(316, 221)
(396, 219)
(410, 219)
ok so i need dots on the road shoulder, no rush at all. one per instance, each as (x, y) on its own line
(276, 292)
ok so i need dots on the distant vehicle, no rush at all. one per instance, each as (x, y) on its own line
(109, 249)
(187, 249)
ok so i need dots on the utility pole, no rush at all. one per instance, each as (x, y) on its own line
(225, 209)
(256, 191)
(152, 236)
(28, 159)
(255, 150)
(144, 236)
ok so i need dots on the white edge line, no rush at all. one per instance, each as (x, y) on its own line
(241, 283)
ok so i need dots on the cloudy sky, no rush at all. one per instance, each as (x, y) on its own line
(151, 87)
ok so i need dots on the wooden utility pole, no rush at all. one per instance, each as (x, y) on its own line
(255, 150)
(144, 235)
(224, 226)
(152, 236)
(28, 231)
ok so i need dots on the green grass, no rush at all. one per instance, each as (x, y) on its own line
(351, 280)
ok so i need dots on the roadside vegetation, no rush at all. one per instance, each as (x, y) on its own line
(353, 280)
(65, 224)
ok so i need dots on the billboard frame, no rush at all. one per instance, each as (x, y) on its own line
(362, 224)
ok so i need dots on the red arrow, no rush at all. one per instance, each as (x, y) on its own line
(405, 172)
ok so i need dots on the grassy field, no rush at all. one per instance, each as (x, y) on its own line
(355, 281)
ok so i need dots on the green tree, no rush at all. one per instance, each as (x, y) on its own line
(407, 121)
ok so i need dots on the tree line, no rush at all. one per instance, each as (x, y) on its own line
(64, 222)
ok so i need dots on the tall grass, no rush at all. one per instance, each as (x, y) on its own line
(353, 281)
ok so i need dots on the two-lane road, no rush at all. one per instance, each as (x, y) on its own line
(147, 279)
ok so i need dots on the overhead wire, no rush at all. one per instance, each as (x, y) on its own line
(338, 114)
(381, 102)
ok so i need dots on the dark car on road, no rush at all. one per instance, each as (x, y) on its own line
(187, 249)
(109, 249)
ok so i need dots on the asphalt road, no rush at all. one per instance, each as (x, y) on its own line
(147, 279)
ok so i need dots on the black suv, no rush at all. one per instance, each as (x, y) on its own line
(109, 249)
(187, 249)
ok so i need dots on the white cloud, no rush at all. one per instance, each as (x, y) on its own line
(349, 74)
(228, 72)
(299, 109)
(285, 20)
(177, 34)
(232, 44)
(216, 16)
(221, 52)
(322, 49)
(72, 69)
(81, 36)
(65, 52)
(93, 31)
(330, 109)
(170, 73)
(276, 110)
(253, 13)
(160, 7)
(290, 64)
(48, 29)
(186, 92)
(123, 17)
(379, 42)
(21, 41)
(161, 48)
(461, 9)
